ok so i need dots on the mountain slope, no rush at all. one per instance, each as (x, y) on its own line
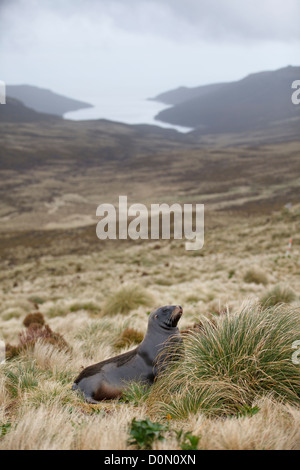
(54, 173)
(255, 102)
(182, 94)
(43, 100)
(15, 111)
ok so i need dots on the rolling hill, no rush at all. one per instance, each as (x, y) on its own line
(182, 94)
(259, 101)
(55, 171)
(43, 100)
(15, 111)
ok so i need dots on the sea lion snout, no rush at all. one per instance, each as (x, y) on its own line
(176, 314)
(177, 310)
(167, 316)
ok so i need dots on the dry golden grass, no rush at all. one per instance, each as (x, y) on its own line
(274, 427)
(228, 363)
(38, 409)
(277, 295)
(256, 275)
(126, 299)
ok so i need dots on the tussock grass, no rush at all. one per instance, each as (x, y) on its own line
(35, 299)
(225, 366)
(36, 330)
(126, 299)
(94, 334)
(88, 306)
(33, 318)
(277, 295)
(256, 275)
(38, 409)
(57, 311)
(136, 393)
(56, 362)
(128, 337)
(21, 376)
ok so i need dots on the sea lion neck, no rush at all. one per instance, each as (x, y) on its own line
(157, 333)
(160, 326)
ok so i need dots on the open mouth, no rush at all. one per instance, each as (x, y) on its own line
(176, 315)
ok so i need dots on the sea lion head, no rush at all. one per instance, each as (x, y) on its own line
(166, 317)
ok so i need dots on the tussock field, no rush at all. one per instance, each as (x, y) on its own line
(235, 387)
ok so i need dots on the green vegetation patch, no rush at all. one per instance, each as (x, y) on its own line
(225, 366)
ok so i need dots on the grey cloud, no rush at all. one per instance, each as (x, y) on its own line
(178, 20)
(141, 47)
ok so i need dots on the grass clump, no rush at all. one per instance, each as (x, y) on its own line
(128, 337)
(34, 318)
(126, 299)
(136, 393)
(57, 311)
(87, 306)
(36, 300)
(224, 368)
(246, 411)
(278, 295)
(36, 330)
(256, 276)
(21, 377)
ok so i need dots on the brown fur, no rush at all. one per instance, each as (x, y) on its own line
(107, 392)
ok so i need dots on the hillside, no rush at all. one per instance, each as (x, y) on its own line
(243, 258)
(43, 100)
(15, 111)
(53, 268)
(55, 173)
(258, 101)
(182, 94)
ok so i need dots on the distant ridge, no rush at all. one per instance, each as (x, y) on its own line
(43, 100)
(15, 111)
(183, 93)
(256, 102)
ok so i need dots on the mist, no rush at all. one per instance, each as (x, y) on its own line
(140, 48)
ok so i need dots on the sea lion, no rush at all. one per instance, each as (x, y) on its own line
(107, 379)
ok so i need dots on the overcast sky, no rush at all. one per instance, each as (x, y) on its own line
(143, 47)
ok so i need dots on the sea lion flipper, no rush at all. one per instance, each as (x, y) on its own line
(91, 400)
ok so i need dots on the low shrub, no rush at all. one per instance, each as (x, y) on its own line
(36, 330)
(143, 433)
(34, 318)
